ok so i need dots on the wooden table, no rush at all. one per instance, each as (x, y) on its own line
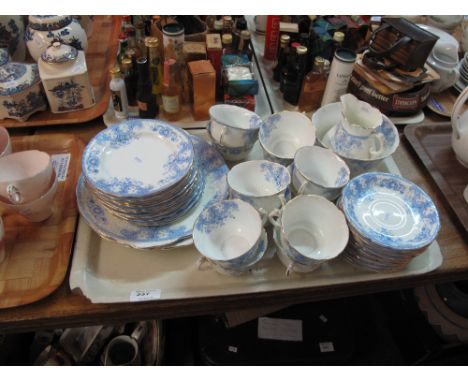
(63, 309)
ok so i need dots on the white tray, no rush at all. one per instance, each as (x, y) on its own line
(106, 272)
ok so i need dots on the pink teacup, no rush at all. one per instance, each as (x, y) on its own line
(24, 176)
(5, 143)
(36, 210)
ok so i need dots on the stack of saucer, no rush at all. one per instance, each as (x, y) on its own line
(462, 82)
(391, 220)
(143, 171)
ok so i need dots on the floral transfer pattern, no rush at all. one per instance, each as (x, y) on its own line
(216, 216)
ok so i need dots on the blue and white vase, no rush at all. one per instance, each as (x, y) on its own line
(12, 34)
(20, 89)
(64, 74)
(43, 30)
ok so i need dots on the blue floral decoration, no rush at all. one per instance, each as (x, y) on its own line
(276, 174)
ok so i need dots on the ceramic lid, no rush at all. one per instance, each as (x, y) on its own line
(47, 23)
(16, 77)
(59, 53)
(4, 56)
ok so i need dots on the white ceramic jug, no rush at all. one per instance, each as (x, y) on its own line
(460, 129)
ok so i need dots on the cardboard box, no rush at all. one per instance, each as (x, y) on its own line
(203, 87)
(246, 101)
(194, 51)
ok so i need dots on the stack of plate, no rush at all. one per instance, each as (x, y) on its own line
(391, 220)
(117, 153)
(143, 171)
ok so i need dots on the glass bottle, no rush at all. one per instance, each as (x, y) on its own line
(132, 45)
(218, 26)
(126, 23)
(313, 86)
(171, 91)
(155, 64)
(118, 94)
(123, 45)
(313, 46)
(227, 24)
(226, 40)
(287, 71)
(241, 25)
(337, 42)
(282, 57)
(140, 37)
(244, 44)
(130, 78)
(293, 84)
(147, 105)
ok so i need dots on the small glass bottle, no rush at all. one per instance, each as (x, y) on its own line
(241, 25)
(147, 105)
(244, 44)
(293, 85)
(218, 26)
(282, 57)
(313, 86)
(337, 42)
(118, 94)
(226, 40)
(171, 91)
(126, 23)
(155, 64)
(287, 71)
(130, 78)
(132, 44)
(140, 37)
(123, 45)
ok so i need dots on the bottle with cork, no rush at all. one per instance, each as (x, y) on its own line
(155, 64)
(118, 94)
(147, 105)
(282, 57)
(293, 84)
(130, 77)
(171, 92)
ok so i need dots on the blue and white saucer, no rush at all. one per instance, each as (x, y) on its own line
(138, 158)
(390, 211)
(212, 167)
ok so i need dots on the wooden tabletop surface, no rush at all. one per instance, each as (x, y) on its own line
(63, 309)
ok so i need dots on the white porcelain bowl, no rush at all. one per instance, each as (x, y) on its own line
(233, 126)
(283, 134)
(39, 209)
(447, 23)
(5, 143)
(319, 171)
(228, 233)
(261, 183)
(24, 175)
(312, 229)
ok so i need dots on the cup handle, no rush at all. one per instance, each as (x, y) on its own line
(223, 133)
(274, 216)
(139, 332)
(302, 188)
(203, 264)
(289, 270)
(282, 200)
(263, 215)
(380, 140)
(13, 194)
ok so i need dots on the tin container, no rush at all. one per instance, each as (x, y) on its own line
(173, 41)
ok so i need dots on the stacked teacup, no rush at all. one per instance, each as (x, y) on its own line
(308, 231)
(230, 236)
(233, 130)
(28, 184)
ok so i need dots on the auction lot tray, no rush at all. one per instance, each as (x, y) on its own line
(432, 144)
(100, 57)
(106, 272)
(38, 254)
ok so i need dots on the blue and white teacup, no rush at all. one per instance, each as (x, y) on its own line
(228, 233)
(312, 229)
(233, 126)
(261, 183)
(283, 134)
(319, 171)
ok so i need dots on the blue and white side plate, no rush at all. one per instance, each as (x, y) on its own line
(137, 158)
(212, 167)
(390, 211)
